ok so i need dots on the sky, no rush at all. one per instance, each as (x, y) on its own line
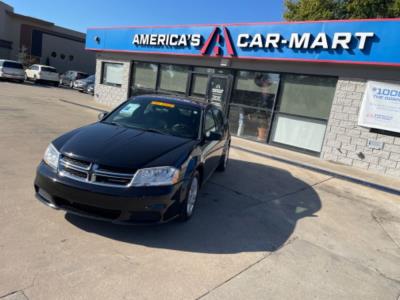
(81, 14)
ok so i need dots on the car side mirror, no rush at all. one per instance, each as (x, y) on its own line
(213, 136)
(102, 115)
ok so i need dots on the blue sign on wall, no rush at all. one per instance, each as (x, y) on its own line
(373, 41)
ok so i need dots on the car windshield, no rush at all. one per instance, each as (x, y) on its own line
(161, 116)
(90, 79)
(81, 76)
(48, 69)
(12, 65)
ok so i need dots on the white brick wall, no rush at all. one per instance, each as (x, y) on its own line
(111, 95)
(346, 142)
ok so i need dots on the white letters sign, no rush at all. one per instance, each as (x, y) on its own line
(380, 107)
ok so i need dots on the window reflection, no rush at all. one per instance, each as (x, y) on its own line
(256, 89)
(248, 122)
(174, 78)
(252, 103)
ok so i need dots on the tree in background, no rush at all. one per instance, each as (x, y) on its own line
(303, 10)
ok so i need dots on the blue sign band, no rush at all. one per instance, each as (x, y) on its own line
(358, 42)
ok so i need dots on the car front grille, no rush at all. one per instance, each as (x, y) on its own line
(93, 173)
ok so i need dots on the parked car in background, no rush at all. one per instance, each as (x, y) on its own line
(42, 73)
(81, 84)
(90, 89)
(144, 162)
(11, 70)
(68, 78)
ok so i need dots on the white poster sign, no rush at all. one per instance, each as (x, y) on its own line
(380, 106)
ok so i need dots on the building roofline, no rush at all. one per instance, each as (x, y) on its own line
(32, 19)
(42, 22)
(248, 23)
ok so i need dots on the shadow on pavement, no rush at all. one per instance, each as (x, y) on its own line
(250, 207)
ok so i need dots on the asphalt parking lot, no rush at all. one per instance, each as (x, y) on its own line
(262, 230)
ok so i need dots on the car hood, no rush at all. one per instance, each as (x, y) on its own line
(121, 147)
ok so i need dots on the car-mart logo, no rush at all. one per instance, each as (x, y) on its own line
(213, 45)
(220, 42)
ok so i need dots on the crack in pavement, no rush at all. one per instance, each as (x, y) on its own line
(267, 254)
(377, 220)
(21, 292)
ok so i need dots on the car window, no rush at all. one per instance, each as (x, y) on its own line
(34, 68)
(13, 65)
(163, 116)
(49, 69)
(219, 119)
(209, 123)
(81, 75)
(90, 79)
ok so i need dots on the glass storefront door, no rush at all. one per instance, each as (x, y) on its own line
(219, 90)
(252, 103)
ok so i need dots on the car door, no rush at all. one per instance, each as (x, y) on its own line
(220, 128)
(210, 155)
(62, 78)
(70, 78)
(29, 71)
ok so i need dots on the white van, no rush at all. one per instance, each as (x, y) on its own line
(13, 70)
(41, 73)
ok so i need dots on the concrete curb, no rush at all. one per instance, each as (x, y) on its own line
(324, 171)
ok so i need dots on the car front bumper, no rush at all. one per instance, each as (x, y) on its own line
(79, 87)
(132, 205)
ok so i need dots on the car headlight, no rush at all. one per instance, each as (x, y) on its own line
(51, 156)
(157, 176)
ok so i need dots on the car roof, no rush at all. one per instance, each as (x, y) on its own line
(9, 60)
(43, 66)
(174, 99)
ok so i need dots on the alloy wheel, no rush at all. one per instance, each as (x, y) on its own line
(192, 197)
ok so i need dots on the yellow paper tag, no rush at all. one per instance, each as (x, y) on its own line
(159, 103)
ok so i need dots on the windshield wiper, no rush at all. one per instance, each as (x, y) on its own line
(154, 130)
(111, 123)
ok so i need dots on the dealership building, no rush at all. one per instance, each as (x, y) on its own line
(31, 40)
(327, 88)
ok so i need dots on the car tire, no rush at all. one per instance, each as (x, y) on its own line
(56, 84)
(224, 160)
(189, 204)
(34, 80)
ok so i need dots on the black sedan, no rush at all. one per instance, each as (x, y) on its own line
(144, 162)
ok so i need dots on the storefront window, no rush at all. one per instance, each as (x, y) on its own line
(303, 110)
(112, 74)
(174, 78)
(248, 122)
(199, 84)
(144, 76)
(308, 96)
(252, 103)
(256, 89)
(200, 79)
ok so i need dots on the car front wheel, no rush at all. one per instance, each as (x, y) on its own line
(188, 206)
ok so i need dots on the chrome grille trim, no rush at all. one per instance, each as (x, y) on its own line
(93, 173)
(75, 162)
